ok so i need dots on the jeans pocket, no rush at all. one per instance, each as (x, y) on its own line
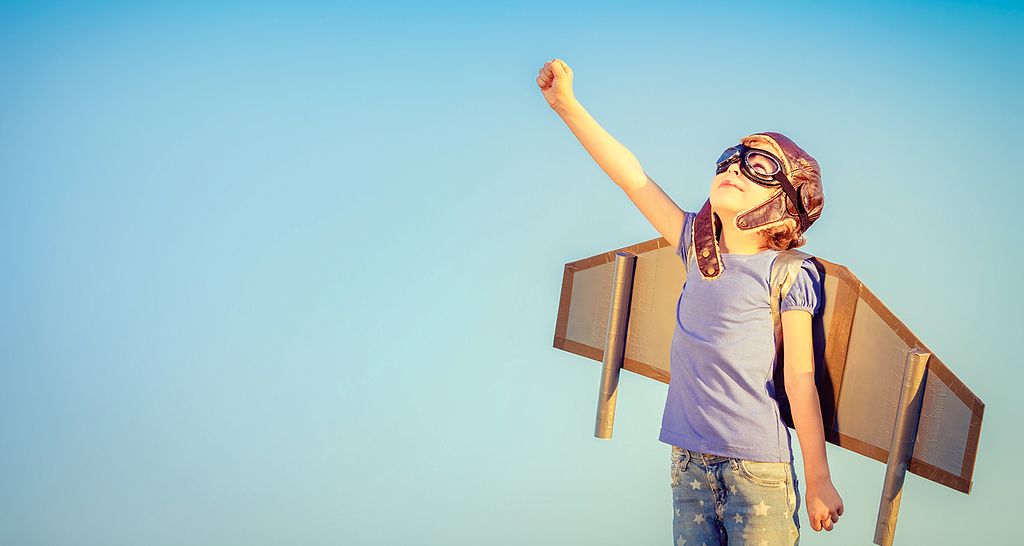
(680, 458)
(765, 473)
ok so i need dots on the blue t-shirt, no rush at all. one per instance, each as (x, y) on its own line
(721, 399)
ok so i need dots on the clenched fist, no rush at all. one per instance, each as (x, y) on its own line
(555, 81)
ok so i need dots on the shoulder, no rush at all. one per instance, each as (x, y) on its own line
(800, 280)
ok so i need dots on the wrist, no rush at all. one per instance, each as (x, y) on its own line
(567, 106)
(817, 480)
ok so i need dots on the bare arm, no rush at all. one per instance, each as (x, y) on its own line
(555, 81)
(824, 505)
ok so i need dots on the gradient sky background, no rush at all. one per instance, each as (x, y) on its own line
(287, 272)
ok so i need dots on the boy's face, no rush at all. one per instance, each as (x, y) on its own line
(732, 192)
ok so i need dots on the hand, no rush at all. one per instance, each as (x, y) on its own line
(555, 81)
(824, 506)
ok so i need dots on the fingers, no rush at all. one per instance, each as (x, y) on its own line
(545, 76)
(830, 519)
(824, 519)
(559, 69)
(825, 524)
(555, 70)
(555, 81)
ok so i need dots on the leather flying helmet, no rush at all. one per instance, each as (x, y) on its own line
(799, 199)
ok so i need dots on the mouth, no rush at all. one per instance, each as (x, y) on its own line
(731, 185)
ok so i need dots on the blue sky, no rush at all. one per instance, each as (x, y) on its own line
(287, 273)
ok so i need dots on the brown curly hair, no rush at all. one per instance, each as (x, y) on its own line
(784, 236)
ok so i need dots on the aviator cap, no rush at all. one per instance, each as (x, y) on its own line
(800, 198)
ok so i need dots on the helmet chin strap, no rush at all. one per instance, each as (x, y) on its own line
(705, 227)
(774, 209)
(705, 243)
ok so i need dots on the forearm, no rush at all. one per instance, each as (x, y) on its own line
(824, 505)
(555, 82)
(614, 159)
(806, 411)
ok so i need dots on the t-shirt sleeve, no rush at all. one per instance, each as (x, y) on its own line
(686, 237)
(806, 291)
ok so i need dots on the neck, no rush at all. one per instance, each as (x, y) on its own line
(734, 241)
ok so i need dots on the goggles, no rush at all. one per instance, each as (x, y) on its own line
(759, 166)
(764, 169)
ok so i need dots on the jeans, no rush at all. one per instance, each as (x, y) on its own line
(720, 501)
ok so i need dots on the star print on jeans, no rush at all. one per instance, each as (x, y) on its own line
(699, 518)
(762, 508)
(695, 484)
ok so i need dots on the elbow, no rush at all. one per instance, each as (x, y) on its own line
(799, 381)
(632, 181)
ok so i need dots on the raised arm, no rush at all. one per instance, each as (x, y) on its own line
(555, 81)
(824, 505)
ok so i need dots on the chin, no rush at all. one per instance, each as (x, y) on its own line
(724, 208)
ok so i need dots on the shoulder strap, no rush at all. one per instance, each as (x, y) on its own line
(785, 269)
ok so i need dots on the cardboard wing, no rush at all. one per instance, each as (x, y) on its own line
(861, 351)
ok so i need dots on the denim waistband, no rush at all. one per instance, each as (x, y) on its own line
(705, 458)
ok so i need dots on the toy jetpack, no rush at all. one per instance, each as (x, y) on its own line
(883, 393)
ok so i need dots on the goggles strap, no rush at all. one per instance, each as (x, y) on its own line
(787, 187)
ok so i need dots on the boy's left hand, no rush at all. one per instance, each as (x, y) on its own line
(824, 506)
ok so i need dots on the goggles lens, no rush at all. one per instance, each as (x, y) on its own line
(759, 165)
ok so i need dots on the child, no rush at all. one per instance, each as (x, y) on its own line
(732, 473)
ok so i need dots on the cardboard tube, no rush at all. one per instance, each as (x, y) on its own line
(615, 342)
(908, 414)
